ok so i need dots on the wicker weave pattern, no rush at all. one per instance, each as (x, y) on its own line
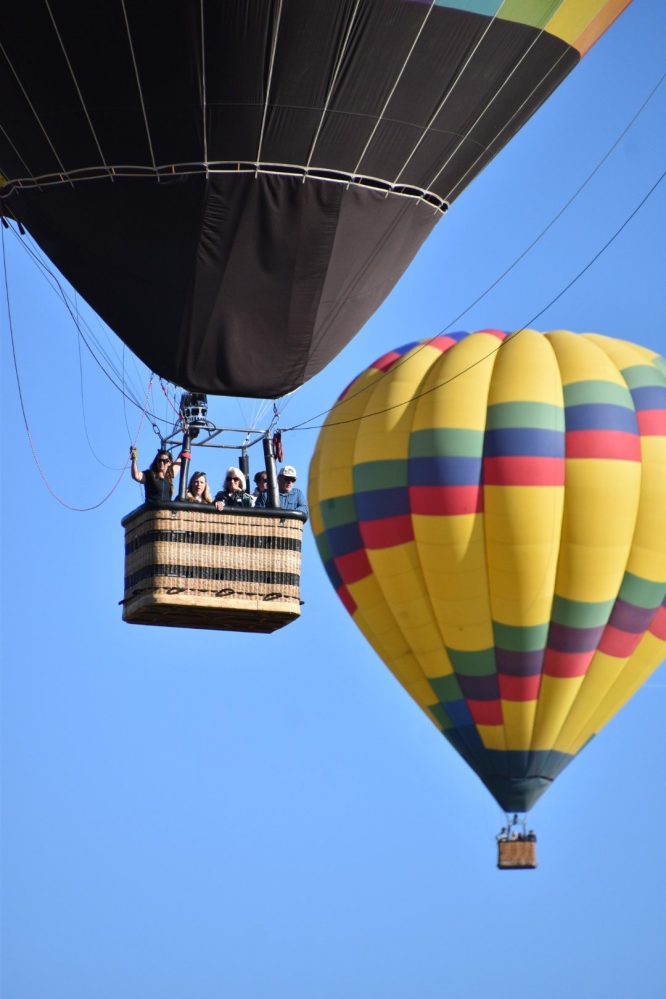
(208, 570)
(517, 853)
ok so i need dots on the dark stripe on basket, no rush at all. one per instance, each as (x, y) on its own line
(216, 539)
(217, 575)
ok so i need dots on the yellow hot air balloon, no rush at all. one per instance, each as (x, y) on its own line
(490, 511)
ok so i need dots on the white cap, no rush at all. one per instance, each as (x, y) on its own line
(289, 471)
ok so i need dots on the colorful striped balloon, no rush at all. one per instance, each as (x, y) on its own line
(489, 509)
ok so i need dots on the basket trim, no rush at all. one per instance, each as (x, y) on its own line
(173, 596)
(214, 573)
(219, 539)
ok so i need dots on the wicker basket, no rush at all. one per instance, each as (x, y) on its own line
(516, 854)
(198, 568)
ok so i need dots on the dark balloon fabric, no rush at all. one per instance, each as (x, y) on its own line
(235, 187)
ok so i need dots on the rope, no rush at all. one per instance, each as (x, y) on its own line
(78, 89)
(170, 403)
(469, 131)
(393, 88)
(34, 111)
(74, 509)
(268, 83)
(448, 93)
(138, 83)
(18, 155)
(515, 333)
(111, 170)
(520, 257)
(331, 86)
(204, 124)
(486, 149)
(129, 432)
(55, 283)
(561, 212)
(83, 413)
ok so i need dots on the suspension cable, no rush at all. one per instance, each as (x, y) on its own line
(515, 333)
(56, 285)
(521, 256)
(42, 474)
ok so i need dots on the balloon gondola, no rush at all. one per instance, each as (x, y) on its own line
(189, 567)
(193, 564)
(236, 187)
(489, 510)
(516, 847)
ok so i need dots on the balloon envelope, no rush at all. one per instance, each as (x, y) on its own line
(490, 512)
(235, 187)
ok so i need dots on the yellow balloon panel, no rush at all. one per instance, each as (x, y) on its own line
(492, 518)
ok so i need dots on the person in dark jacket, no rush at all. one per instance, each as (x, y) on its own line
(233, 494)
(260, 488)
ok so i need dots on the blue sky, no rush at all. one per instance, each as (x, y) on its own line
(205, 814)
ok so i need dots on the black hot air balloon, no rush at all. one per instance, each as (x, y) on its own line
(236, 186)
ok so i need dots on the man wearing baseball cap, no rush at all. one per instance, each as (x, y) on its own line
(291, 498)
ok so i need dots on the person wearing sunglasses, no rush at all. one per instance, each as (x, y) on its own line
(291, 498)
(157, 480)
(233, 494)
(261, 487)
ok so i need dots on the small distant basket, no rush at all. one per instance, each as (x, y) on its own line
(188, 566)
(517, 854)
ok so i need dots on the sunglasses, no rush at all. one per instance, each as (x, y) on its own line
(232, 478)
(164, 461)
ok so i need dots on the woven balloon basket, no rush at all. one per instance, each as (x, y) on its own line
(516, 854)
(229, 571)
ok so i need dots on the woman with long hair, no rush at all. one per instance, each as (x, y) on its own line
(157, 480)
(198, 490)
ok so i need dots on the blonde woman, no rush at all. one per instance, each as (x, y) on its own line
(198, 490)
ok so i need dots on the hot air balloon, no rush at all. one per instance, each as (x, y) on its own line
(489, 510)
(235, 187)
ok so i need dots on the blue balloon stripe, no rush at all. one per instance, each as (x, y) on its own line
(445, 471)
(649, 397)
(345, 539)
(600, 416)
(459, 714)
(479, 688)
(382, 503)
(524, 441)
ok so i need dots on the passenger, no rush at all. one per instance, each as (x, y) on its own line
(290, 497)
(261, 488)
(198, 490)
(233, 494)
(157, 480)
